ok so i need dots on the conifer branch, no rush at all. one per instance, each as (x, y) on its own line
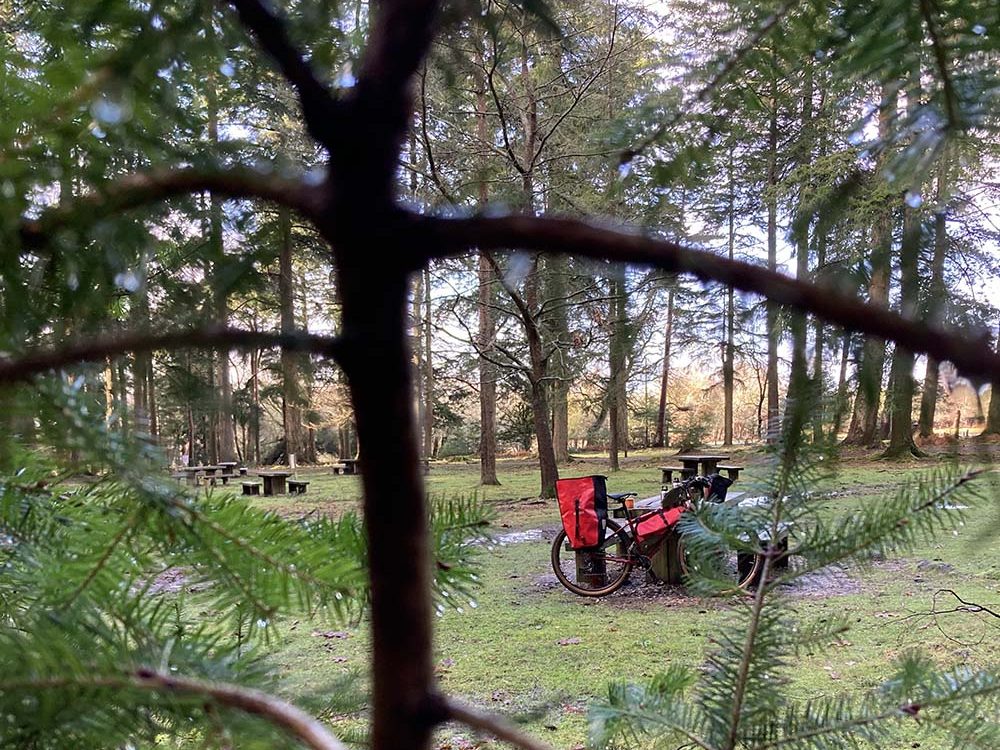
(41, 360)
(321, 111)
(973, 357)
(143, 188)
(292, 719)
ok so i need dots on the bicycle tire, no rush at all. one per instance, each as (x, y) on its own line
(744, 567)
(616, 571)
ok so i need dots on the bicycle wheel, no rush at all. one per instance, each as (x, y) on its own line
(597, 571)
(743, 568)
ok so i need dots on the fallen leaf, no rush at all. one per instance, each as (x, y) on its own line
(569, 641)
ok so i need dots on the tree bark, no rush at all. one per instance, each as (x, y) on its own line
(487, 325)
(993, 414)
(617, 350)
(428, 368)
(728, 357)
(557, 333)
(773, 333)
(901, 422)
(863, 429)
(935, 296)
(662, 432)
(293, 396)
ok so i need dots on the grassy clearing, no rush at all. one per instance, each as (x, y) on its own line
(528, 648)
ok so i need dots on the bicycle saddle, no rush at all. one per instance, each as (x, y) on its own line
(622, 495)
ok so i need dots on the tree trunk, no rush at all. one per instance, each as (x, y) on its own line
(487, 324)
(428, 367)
(901, 423)
(773, 333)
(863, 428)
(557, 332)
(728, 357)
(617, 345)
(818, 345)
(225, 436)
(993, 415)
(662, 433)
(936, 295)
(293, 397)
(840, 404)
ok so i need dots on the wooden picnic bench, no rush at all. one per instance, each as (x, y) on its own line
(346, 466)
(667, 473)
(251, 488)
(732, 471)
(297, 487)
(274, 481)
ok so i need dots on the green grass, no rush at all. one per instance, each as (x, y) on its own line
(530, 649)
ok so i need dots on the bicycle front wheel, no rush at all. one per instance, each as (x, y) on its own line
(596, 571)
(742, 568)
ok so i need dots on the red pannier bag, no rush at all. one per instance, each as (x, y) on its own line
(656, 522)
(583, 504)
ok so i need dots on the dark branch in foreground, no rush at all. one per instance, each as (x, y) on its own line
(973, 357)
(97, 348)
(149, 187)
(319, 108)
(382, 100)
(496, 725)
(294, 720)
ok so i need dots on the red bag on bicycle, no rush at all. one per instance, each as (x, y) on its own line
(583, 504)
(656, 522)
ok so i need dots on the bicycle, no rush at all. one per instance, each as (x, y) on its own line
(602, 570)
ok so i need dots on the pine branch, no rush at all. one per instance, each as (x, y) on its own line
(573, 237)
(248, 700)
(322, 113)
(731, 63)
(97, 348)
(143, 188)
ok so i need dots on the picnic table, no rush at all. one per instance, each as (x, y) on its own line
(347, 466)
(191, 472)
(665, 564)
(274, 480)
(707, 461)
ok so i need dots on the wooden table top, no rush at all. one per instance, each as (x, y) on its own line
(273, 473)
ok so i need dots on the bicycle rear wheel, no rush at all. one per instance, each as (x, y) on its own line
(596, 571)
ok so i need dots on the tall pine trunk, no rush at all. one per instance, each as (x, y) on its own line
(617, 354)
(729, 355)
(901, 422)
(662, 432)
(487, 324)
(863, 429)
(293, 395)
(935, 296)
(773, 333)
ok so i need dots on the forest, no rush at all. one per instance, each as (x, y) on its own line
(478, 246)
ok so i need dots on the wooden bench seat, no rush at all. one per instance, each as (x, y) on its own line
(251, 488)
(667, 473)
(297, 487)
(731, 470)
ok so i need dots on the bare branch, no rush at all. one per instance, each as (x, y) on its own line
(974, 357)
(498, 726)
(321, 111)
(292, 719)
(98, 348)
(143, 188)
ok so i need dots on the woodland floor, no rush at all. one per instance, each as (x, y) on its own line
(528, 648)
